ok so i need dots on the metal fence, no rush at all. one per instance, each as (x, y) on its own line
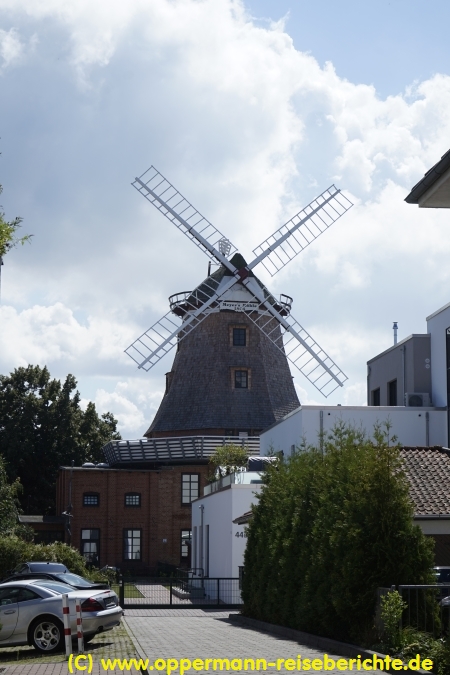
(428, 608)
(184, 591)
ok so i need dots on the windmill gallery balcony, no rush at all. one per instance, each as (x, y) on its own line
(185, 301)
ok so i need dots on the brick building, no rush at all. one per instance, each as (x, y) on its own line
(134, 519)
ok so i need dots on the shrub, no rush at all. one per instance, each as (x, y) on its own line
(227, 459)
(392, 607)
(328, 530)
(14, 550)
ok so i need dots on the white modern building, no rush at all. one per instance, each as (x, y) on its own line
(218, 544)
(310, 423)
(408, 386)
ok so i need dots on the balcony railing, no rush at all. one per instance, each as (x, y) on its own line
(173, 449)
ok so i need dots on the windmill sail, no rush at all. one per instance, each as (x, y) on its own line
(171, 203)
(298, 345)
(160, 338)
(301, 230)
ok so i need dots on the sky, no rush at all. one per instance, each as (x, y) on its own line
(251, 108)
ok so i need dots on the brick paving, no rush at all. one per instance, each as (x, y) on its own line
(191, 634)
(203, 634)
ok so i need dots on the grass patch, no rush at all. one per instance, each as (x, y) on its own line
(114, 643)
(131, 590)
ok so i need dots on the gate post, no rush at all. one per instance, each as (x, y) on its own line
(171, 590)
(121, 591)
(218, 592)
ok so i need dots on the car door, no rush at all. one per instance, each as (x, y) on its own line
(30, 605)
(9, 611)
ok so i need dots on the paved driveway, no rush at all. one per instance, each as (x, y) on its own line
(191, 634)
(205, 634)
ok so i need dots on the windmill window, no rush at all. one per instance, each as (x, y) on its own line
(189, 487)
(241, 379)
(91, 499)
(239, 337)
(133, 499)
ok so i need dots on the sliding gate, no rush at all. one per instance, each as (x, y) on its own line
(179, 592)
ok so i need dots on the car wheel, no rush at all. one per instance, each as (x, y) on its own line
(47, 634)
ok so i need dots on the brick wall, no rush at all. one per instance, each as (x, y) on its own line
(160, 516)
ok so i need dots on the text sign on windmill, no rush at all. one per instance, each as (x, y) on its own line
(274, 253)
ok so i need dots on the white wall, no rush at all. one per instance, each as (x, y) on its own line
(437, 325)
(226, 551)
(434, 525)
(408, 424)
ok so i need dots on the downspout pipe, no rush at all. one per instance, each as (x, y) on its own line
(404, 373)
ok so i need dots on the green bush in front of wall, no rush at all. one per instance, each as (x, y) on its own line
(14, 551)
(331, 525)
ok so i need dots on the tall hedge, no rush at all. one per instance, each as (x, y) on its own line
(330, 527)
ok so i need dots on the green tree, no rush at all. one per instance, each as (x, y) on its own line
(329, 529)
(9, 502)
(8, 239)
(228, 458)
(42, 426)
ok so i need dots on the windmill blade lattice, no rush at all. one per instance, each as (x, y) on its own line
(301, 230)
(302, 351)
(296, 343)
(171, 203)
(160, 338)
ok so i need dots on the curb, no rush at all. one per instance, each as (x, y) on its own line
(315, 641)
(136, 644)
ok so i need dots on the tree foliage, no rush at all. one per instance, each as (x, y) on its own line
(8, 239)
(9, 503)
(228, 458)
(42, 427)
(330, 527)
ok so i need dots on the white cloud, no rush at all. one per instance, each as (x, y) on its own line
(11, 48)
(249, 129)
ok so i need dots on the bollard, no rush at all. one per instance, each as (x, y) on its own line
(79, 627)
(67, 631)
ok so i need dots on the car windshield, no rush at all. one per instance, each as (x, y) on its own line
(54, 586)
(74, 580)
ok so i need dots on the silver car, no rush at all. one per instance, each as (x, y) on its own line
(31, 613)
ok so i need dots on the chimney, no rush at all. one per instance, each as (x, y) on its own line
(395, 327)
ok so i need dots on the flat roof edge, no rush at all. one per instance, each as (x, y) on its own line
(438, 311)
(389, 349)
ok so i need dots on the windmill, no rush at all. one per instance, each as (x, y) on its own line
(235, 288)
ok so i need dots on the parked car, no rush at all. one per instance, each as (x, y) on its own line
(31, 613)
(54, 571)
(442, 574)
(27, 567)
(73, 580)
